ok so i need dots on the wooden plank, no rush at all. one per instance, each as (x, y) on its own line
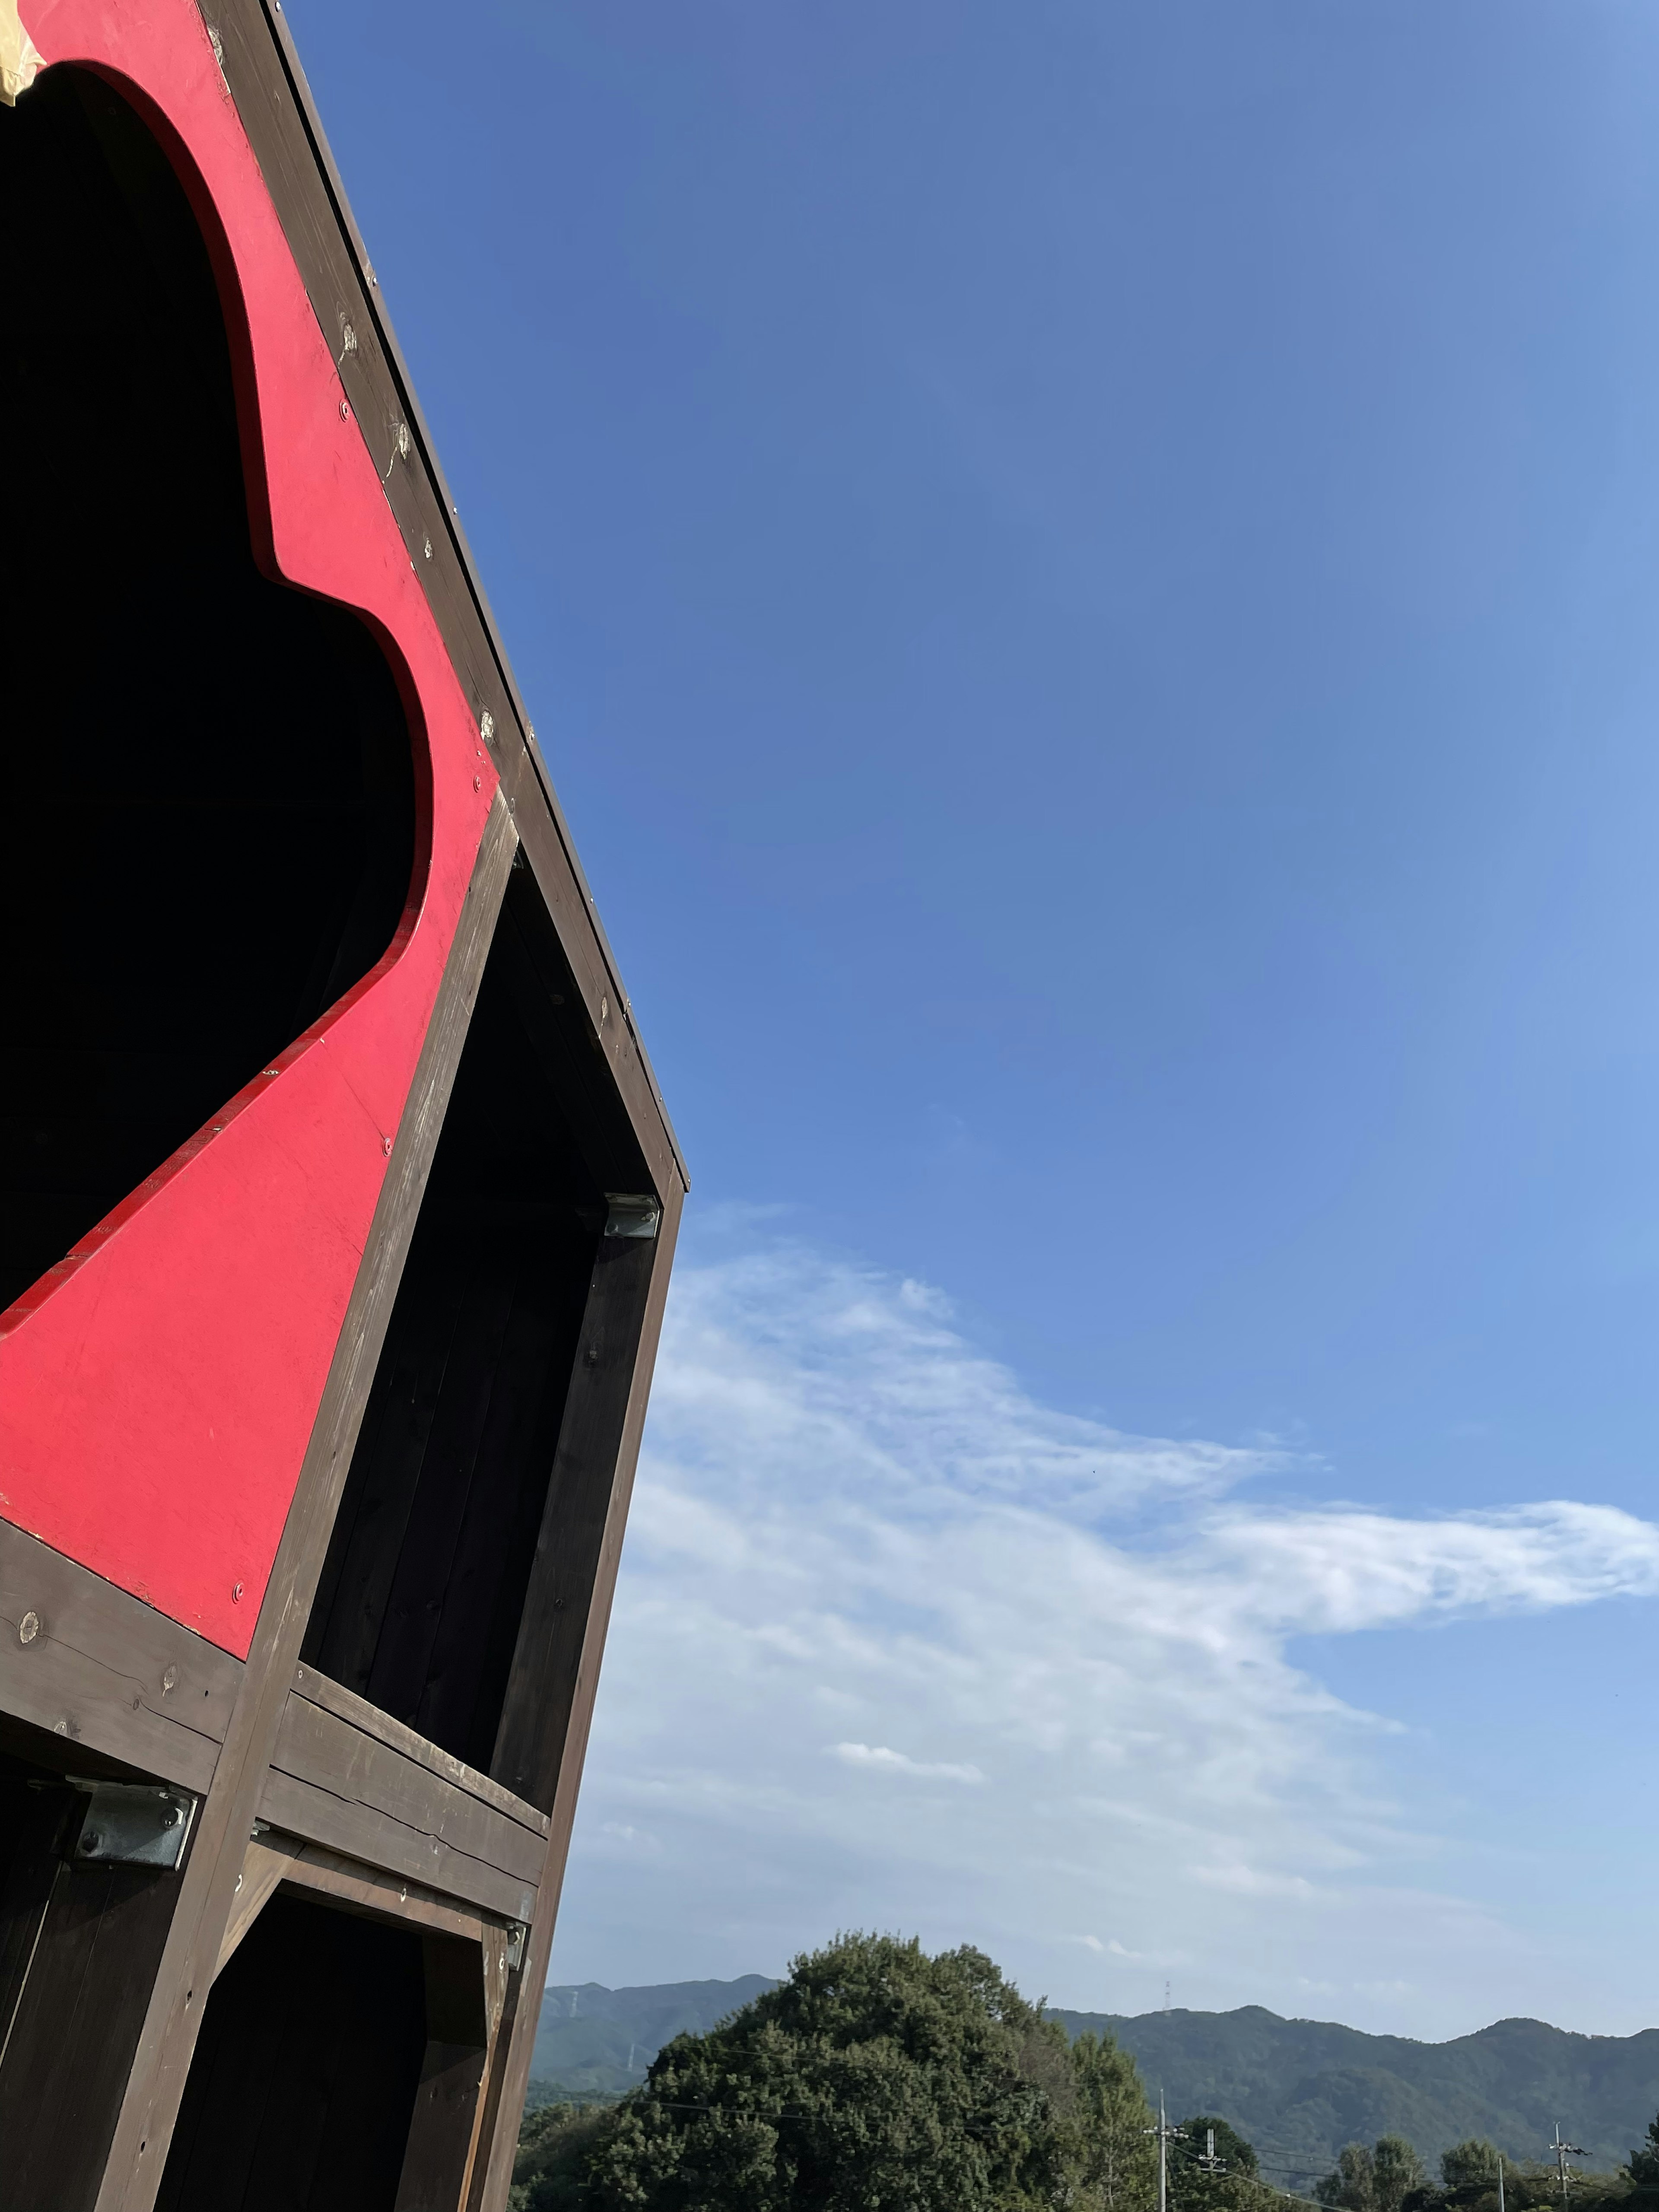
(138, 2151)
(319, 1747)
(78, 2023)
(444, 2125)
(87, 1661)
(376, 1839)
(510, 2069)
(316, 1870)
(266, 80)
(553, 1630)
(330, 1695)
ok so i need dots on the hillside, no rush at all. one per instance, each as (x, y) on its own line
(1301, 2088)
(1298, 2089)
(593, 2038)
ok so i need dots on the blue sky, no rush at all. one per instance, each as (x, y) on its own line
(1087, 576)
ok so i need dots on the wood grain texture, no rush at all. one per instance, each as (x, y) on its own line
(316, 1870)
(510, 2070)
(89, 1661)
(379, 1840)
(138, 2151)
(334, 1699)
(78, 2019)
(320, 1748)
(546, 1664)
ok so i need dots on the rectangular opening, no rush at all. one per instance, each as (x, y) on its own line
(303, 2086)
(420, 1602)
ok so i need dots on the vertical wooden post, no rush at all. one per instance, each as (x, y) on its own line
(543, 1739)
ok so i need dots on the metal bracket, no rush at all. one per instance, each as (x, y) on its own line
(632, 1213)
(516, 1936)
(134, 1823)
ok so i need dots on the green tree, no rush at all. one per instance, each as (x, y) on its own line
(1238, 2156)
(1352, 2186)
(549, 2173)
(874, 2077)
(1470, 2165)
(1234, 2185)
(1396, 2171)
(1643, 2167)
(1112, 2159)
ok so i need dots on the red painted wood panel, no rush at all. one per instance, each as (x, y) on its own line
(158, 1386)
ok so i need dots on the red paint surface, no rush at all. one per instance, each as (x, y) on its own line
(158, 1388)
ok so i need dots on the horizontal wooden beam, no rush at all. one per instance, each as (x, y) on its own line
(90, 1663)
(317, 1689)
(379, 1840)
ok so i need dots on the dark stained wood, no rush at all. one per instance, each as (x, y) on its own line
(442, 2129)
(552, 1634)
(77, 2024)
(105, 1670)
(207, 1888)
(319, 1747)
(316, 1870)
(376, 1840)
(333, 1698)
(264, 73)
(510, 2063)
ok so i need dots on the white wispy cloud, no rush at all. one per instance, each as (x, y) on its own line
(853, 1532)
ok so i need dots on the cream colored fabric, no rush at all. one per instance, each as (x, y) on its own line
(18, 59)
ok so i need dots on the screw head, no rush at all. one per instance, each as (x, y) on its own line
(236, 1593)
(345, 411)
(28, 1627)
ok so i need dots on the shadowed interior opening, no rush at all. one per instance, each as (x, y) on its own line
(207, 795)
(422, 1596)
(304, 2078)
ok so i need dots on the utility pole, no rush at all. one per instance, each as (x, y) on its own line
(1212, 2164)
(1166, 2134)
(1561, 2152)
(1500, 2180)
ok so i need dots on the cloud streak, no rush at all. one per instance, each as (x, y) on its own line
(852, 1531)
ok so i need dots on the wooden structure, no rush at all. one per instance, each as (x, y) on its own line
(337, 1199)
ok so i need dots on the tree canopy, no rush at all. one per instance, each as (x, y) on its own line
(875, 2079)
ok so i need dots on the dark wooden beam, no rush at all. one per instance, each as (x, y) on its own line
(542, 1688)
(77, 2012)
(333, 1698)
(444, 2127)
(510, 2065)
(102, 1670)
(374, 1840)
(208, 1888)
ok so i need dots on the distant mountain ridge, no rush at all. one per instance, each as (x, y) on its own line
(1298, 2089)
